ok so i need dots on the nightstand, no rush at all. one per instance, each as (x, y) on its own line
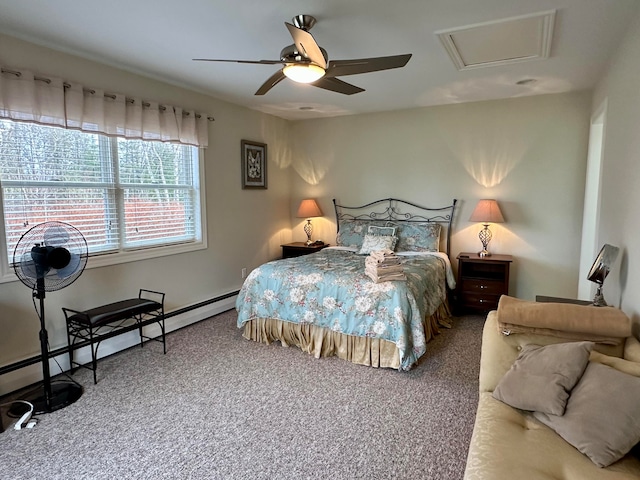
(481, 281)
(297, 249)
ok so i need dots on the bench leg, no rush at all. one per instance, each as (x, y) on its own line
(164, 337)
(139, 322)
(71, 370)
(94, 356)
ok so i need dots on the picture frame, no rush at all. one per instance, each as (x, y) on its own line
(254, 164)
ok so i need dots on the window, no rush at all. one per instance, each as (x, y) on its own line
(123, 195)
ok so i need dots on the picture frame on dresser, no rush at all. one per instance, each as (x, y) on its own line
(254, 164)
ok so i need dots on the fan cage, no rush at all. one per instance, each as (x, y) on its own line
(50, 234)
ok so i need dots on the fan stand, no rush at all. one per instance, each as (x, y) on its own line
(47, 398)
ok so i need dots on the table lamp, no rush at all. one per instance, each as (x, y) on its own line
(600, 269)
(487, 211)
(309, 208)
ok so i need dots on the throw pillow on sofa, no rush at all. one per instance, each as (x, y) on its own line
(602, 416)
(541, 378)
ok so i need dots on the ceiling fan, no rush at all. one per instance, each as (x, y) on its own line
(306, 62)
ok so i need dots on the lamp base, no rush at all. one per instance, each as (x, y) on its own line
(308, 229)
(484, 253)
(598, 299)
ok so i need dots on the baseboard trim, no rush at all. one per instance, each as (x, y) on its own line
(28, 372)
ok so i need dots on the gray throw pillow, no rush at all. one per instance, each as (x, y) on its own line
(602, 418)
(541, 378)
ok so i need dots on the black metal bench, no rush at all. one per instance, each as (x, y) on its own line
(90, 327)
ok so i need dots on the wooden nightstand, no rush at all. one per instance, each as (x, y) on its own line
(297, 249)
(481, 281)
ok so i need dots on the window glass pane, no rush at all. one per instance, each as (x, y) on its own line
(35, 153)
(90, 210)
(154, 163)
(158, 216)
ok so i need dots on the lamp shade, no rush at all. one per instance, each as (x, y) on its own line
(309, 208)
(487, 211)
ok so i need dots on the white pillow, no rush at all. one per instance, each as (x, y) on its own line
(387, 231)
(372, 243)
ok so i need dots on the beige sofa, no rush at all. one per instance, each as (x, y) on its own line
(511, 444)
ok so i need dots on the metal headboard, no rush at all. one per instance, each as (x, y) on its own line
(395, 210)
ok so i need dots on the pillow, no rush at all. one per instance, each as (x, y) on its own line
(541, 378)
(384, 231)
(351, 233)
(602, 418)
(376, 230)
(376, 242)
(419, 237)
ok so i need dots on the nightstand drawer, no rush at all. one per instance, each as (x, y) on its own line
(482, 287)
(480, 301)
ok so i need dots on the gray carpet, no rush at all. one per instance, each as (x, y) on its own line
(217, 406)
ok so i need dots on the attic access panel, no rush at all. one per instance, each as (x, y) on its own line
(500, 42)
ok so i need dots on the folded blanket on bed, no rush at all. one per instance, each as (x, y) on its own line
(381, 271)
(383, 266)
(386, 257)
(387, 277)
(602, 324)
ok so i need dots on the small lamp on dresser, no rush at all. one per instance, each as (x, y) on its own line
(309, 208)
(487, 211)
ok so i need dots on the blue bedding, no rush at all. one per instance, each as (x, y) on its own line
(329, 289)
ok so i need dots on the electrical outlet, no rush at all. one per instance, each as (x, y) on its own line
(244, 273)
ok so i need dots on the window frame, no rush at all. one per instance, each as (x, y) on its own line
(128, 254)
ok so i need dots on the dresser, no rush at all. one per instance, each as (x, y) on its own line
(481, 281)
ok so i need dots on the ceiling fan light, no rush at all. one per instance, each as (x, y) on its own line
(303, 73)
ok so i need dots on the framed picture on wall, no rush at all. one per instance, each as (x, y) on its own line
(254, 164)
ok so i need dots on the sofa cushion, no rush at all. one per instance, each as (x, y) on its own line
(602, 416)
(541, 378)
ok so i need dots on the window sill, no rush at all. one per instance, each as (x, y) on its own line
(107, 259)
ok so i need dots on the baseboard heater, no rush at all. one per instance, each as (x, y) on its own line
(65, 350)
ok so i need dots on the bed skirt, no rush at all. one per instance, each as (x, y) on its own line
(321, 342)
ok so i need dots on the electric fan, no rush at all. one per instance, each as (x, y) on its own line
(49, 257)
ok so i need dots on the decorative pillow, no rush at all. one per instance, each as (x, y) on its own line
(541, 378)
(376, 242)
(418, 237)
(351, 233)
(376, 230)
(384, 231)
(602, 418)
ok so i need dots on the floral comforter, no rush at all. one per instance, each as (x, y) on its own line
(330, 289)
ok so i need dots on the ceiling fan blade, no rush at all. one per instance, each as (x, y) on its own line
(338, 68)
(257, 62)
(336, 85)
(271, 82)
(307, 45)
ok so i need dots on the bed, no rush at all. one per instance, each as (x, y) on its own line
(325, 304)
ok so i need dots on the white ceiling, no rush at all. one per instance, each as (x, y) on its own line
(158, 38)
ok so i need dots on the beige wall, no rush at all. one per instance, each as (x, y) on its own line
(245, 227)
(529, 153)
(620, 208)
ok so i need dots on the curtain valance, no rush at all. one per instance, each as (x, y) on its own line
(27, 97)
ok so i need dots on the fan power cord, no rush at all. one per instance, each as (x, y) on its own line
(25, 420)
